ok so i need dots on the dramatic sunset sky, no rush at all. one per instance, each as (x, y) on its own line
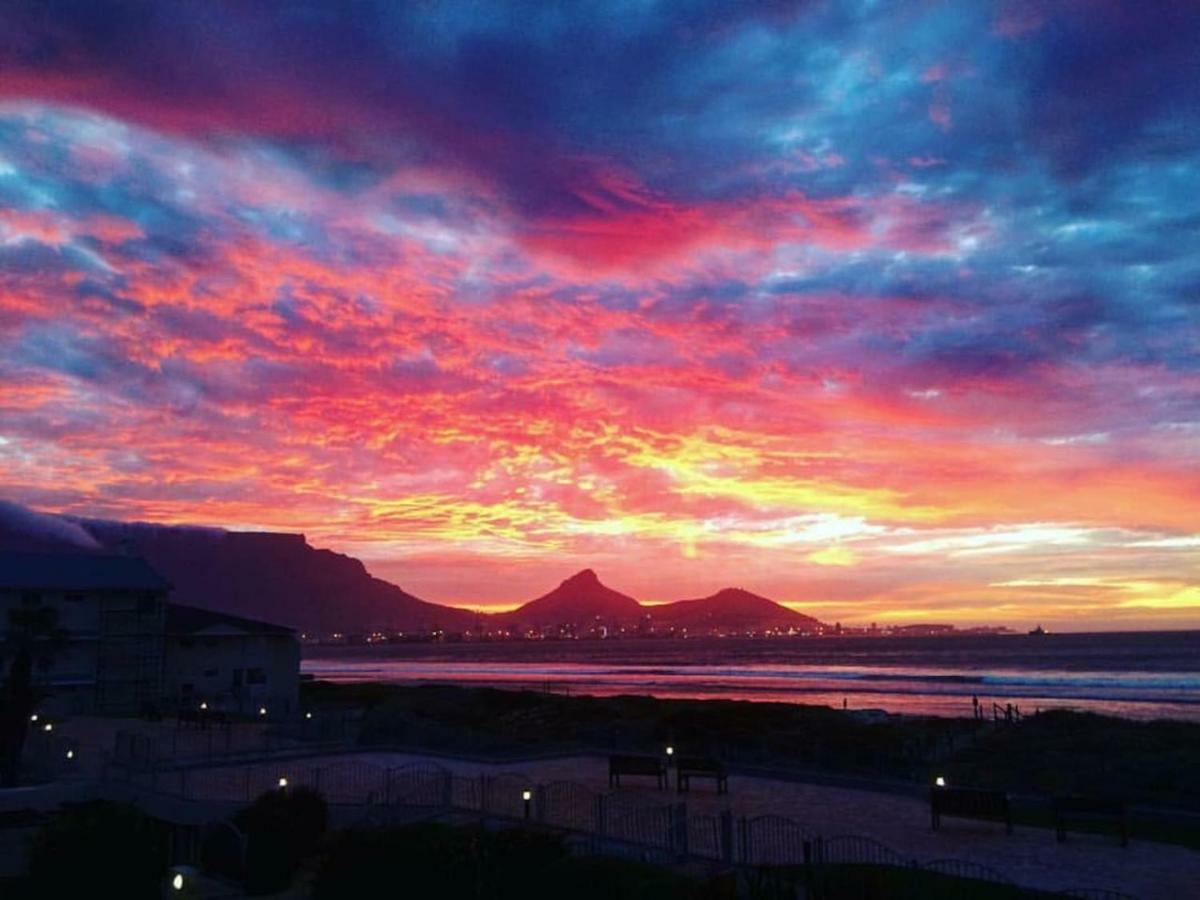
(890, 310)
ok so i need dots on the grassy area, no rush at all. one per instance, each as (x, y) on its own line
(483, 720)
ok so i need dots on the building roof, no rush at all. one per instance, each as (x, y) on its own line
(78, 572)
(183, 619)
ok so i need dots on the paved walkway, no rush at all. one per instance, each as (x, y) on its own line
(1030, 857)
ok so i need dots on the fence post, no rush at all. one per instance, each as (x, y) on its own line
(744, 839)
(539, 803)
(727, 837)
(483, 792)
(387, 786)
(447, 790)
(600, 823)
(183, 784)
(679, 829)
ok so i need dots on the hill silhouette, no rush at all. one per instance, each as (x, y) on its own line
(731, 609)
(580, 600)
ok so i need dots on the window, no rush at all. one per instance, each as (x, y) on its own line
(256, 675)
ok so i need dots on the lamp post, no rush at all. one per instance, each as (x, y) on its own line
(940, 781)
(670, 754)
(283, 782)
(527, 796)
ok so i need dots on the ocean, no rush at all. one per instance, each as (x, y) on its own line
(1140, 675)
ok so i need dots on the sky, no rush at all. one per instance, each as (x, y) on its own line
(888, 310)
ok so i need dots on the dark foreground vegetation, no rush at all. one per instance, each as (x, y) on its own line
(1146, 763)
(122, 852)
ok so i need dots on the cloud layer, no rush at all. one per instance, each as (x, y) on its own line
(888, 308)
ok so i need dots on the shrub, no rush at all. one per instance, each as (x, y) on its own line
(95, 844)
(282, 828)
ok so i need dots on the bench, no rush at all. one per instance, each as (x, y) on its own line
(687, 768)
(1076, 808)
(650, 766)
(969, 803)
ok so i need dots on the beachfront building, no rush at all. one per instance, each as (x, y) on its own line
(235, 665)
(95, 626)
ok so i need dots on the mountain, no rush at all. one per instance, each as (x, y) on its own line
(277, 577)
(579, 601)
(731, 609)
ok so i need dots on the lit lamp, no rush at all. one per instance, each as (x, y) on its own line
(70, 754)
(184, 881)
(527, 796)
(204, 704)
(49, 726)
(670, 754)
(308, 715)
(33, 718)
(940, 781)
(282, 783)
(262, 710)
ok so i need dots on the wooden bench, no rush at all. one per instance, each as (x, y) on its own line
(969, 803)
(689, 767)
(650, 766)
(1077, 808)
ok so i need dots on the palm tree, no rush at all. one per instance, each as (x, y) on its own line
(33, 637)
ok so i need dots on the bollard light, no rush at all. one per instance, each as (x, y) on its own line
(49, 726)
(527, 795)
(70, 754)
(33, 718)
(262, 710)
(204, 704)
(177, 881)
(670, 751)
(282, 783)
(308, 715)
(940, 781)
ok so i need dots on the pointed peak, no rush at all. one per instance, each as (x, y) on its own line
(585, 576)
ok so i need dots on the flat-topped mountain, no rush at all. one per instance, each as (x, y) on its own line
(277, 577)
(580, 599)
(731, 609)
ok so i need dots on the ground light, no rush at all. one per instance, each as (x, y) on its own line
(262, 710)
(33, 718)
(70, 754)
(282, 783)
(49, 726)
(177, 881)
(940, 781)
(527, 796)
(204, 704)
(308, 715)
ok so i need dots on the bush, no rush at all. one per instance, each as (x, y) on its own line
(282, 828)
(98, 844)
(468, 863)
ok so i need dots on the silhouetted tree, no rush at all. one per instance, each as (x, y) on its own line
(33, 638)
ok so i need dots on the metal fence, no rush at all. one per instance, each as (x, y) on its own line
(610, 823)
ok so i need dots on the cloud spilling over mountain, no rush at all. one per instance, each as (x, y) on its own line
(272, 576)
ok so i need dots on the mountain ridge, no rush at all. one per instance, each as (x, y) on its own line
(280, 577)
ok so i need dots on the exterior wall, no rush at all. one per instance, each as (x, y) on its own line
(234, 671)
(109, 658)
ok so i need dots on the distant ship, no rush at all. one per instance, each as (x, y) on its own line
(1039, 631)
